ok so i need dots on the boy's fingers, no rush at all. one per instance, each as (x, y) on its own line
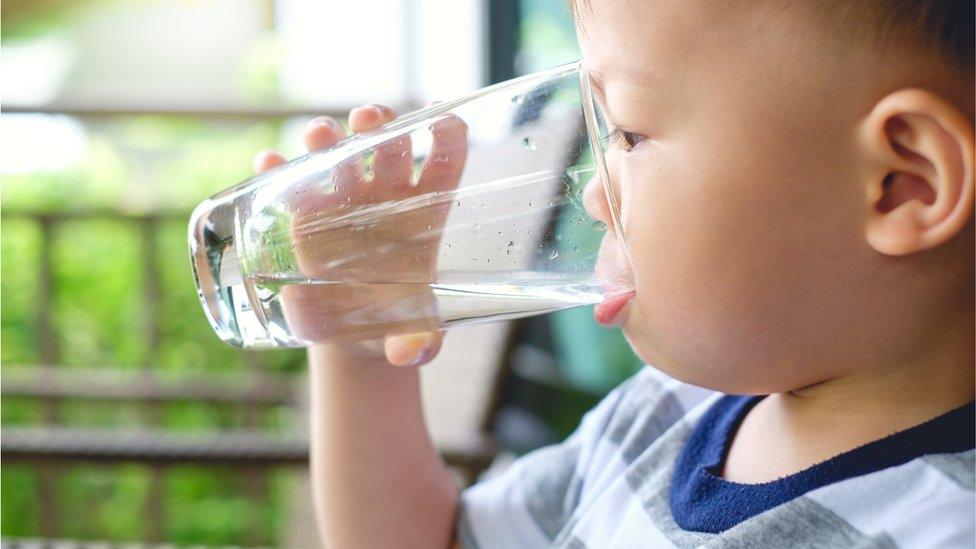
(322, 132)
(413, 349)
(393, 162)
(367, 117)
(265, 160)
(448, 152)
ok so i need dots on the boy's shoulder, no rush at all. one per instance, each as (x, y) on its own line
(632, 418)
(610, 482)
(652, 397)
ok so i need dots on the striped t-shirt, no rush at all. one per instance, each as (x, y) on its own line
(636, 473)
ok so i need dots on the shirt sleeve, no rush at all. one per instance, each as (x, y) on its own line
(528, 505)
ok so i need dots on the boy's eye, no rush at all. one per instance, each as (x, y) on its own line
(624, 139)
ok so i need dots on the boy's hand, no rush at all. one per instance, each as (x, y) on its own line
(313, 311)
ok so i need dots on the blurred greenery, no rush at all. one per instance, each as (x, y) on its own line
(20, 493)
(23, 19)
(133, 163)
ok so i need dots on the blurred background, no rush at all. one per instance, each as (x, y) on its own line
(124, 419)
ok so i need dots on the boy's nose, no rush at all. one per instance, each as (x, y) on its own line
(595, 201)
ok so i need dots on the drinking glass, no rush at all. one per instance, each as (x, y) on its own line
(467, 211)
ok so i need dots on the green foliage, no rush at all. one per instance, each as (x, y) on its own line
(19, 246)
(111, 497)
(99, 316)
(24, 19)
(215, 508)
(18, 492)
(97, 302)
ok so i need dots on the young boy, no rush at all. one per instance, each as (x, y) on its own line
(796, 183)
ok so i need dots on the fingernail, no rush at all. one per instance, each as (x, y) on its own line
(421, 357)
(324, 121)
(260, 159)
(378, 109)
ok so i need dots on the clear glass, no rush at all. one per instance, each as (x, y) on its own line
(467, 211)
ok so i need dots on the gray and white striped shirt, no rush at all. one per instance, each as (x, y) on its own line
(608, 485)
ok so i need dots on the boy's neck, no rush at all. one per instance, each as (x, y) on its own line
(800, 428)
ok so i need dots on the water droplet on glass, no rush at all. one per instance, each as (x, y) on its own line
(575, 248)
(518, 99)
(553, 255)
(457, 203)
(449, 245)
(599, 226)
(528, 144)
(499, 233)
(489, 260)
(510, 242)
(453, 270)
(579, 221)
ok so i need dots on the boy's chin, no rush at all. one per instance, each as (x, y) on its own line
(679, 370)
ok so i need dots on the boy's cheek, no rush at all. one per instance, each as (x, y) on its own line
(702, 251)
(729, 263)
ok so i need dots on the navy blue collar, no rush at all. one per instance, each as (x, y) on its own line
(702, 501)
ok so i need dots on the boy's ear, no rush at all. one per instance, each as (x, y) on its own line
(921, 181)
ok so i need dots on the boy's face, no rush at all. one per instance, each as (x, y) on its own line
(740, 200)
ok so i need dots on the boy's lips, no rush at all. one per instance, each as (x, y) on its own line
(607, 311)
(611, 269)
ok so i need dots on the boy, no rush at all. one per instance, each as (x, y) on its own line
(796, 183)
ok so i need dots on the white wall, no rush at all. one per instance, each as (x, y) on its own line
(400, 52)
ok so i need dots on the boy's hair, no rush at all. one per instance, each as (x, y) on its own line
(942, 28)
